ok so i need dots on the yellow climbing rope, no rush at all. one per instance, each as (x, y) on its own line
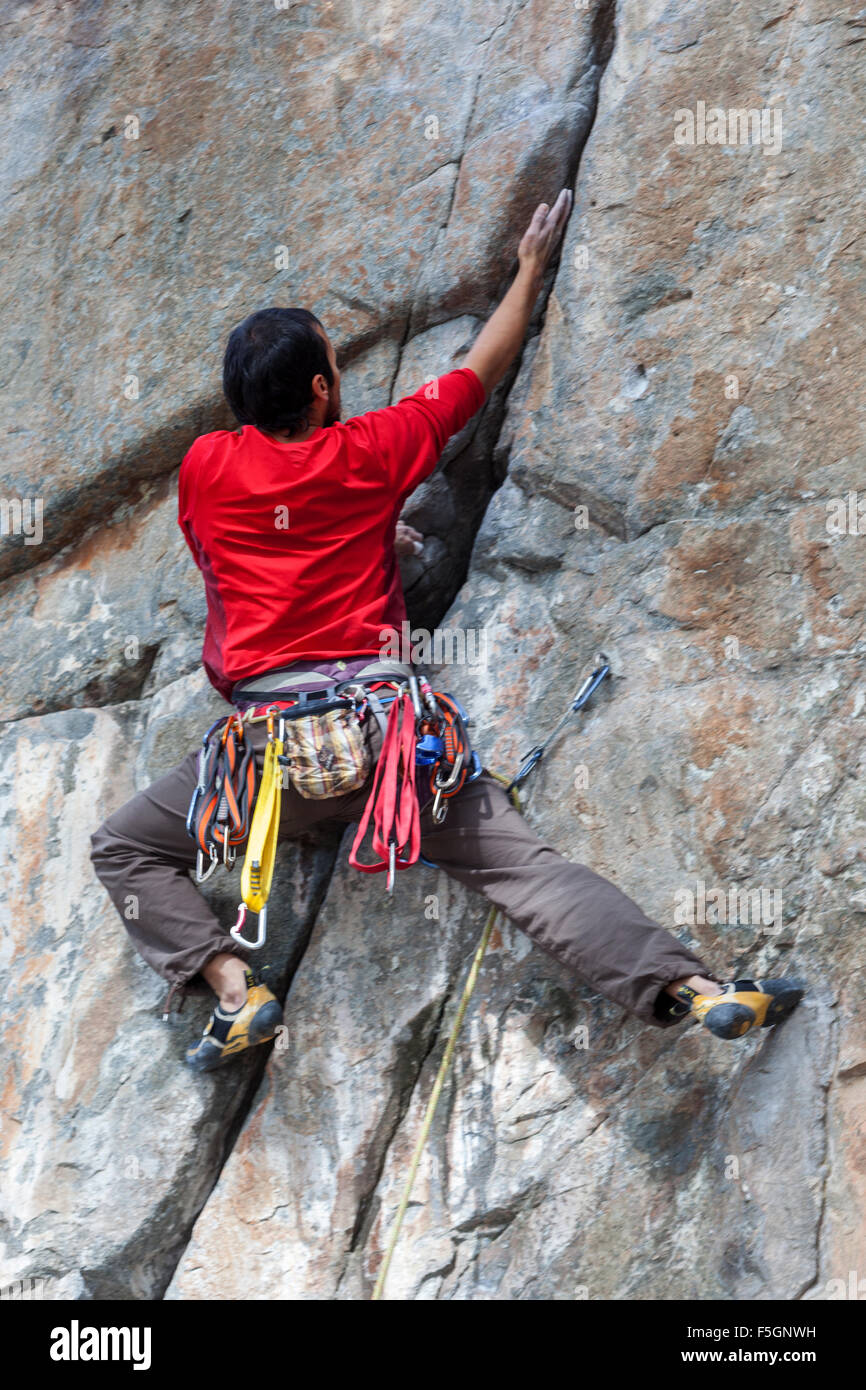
(434, 1100)
(432, 1103)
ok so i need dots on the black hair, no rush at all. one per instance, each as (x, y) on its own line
(269, 365)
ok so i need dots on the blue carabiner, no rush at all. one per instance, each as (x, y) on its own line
(590, 685)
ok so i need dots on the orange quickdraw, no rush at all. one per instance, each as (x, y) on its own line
(221, 807)
(449, 774)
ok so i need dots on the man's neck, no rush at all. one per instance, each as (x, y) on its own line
(301, 436)
(283, 438)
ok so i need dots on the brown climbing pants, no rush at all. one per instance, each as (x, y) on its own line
(143, 851)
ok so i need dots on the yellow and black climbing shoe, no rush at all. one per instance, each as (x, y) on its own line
(743, 1005)
(230, 1032)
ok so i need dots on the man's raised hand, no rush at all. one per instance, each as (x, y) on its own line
(501, 338)
(543, 234)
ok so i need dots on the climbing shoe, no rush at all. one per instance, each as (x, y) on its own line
(230, 1032)
(742, 1005)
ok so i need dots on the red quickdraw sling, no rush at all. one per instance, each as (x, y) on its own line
(437, 743)
(393, 800)
(221, 807)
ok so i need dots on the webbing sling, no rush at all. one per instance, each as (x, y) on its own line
(258, 871)
(393, 801)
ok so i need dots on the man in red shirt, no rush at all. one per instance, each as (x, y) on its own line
(293, 522)
(294, 528)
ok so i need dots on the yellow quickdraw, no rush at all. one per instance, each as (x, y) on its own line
(258, 870)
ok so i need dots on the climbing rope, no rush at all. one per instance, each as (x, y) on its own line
(529, 762)
(434, 1099)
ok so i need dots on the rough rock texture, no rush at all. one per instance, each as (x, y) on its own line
(107, 1148)
(671, 443)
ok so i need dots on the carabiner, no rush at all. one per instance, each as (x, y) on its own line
(199, 861)
(262, 928)
(451, 780)
(415, 697)
(591, 684)
(392, 866)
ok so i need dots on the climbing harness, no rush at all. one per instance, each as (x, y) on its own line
(315, 737)
(531, 759)
(425, 748)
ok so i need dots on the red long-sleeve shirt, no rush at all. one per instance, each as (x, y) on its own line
(296, 541)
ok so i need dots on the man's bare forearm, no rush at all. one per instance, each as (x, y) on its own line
(499, 341)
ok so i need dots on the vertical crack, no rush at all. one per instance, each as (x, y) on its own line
(389, 1126)
(603, 44)
(835, 1030)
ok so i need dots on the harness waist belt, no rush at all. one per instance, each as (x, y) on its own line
(286, 682)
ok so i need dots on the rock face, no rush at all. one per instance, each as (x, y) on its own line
(673, 476)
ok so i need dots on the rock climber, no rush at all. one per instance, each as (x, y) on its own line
(295, 602)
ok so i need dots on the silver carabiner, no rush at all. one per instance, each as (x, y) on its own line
(415, 696)
(236, 932)
(199, 861)
(440, 805)
(392, 866)
(451, 780)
